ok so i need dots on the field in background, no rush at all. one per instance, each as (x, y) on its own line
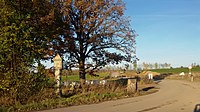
(174, 73)
(88, 77)
(176, 70)
(102, 74)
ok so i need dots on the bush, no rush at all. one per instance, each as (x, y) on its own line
(20, 88)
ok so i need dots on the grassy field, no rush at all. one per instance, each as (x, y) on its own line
(75, 76)
(88, 77)
(103, 74)
(176, 70)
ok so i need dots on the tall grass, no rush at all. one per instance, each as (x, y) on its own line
(92, 94)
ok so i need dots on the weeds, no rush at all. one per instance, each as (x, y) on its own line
(92, 94)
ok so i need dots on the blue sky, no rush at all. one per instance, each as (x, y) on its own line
(169, 30)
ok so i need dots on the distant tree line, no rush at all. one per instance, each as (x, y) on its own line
(147, 66)
(195, 65)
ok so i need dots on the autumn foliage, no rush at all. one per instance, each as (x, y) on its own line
(96, 33)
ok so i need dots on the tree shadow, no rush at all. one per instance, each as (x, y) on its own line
(68, 95)
(161, 76)
(147, 88)
(197, 108)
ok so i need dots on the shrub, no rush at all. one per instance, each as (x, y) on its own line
(20, 88)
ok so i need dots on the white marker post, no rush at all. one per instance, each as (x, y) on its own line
(190, 73)
(58, 66)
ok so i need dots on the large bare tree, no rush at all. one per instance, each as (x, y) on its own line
(98, 34)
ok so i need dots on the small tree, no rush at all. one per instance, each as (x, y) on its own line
(156, 65)
(145, 65)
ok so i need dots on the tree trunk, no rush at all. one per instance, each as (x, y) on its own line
(82, 73)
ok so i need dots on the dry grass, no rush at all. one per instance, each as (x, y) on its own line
(196, 77)
(87, 95)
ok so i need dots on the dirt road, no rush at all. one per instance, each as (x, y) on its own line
(173, 96)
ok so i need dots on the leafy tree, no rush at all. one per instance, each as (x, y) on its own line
(24, 35)
(99, 34)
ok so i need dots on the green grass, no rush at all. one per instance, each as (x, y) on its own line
(76, 77)
(176, 70)
(88, 77)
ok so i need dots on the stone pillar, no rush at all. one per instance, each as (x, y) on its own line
(58, 67)
(58, 81)
(132, 85)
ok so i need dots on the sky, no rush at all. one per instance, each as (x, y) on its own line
(169, 30)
